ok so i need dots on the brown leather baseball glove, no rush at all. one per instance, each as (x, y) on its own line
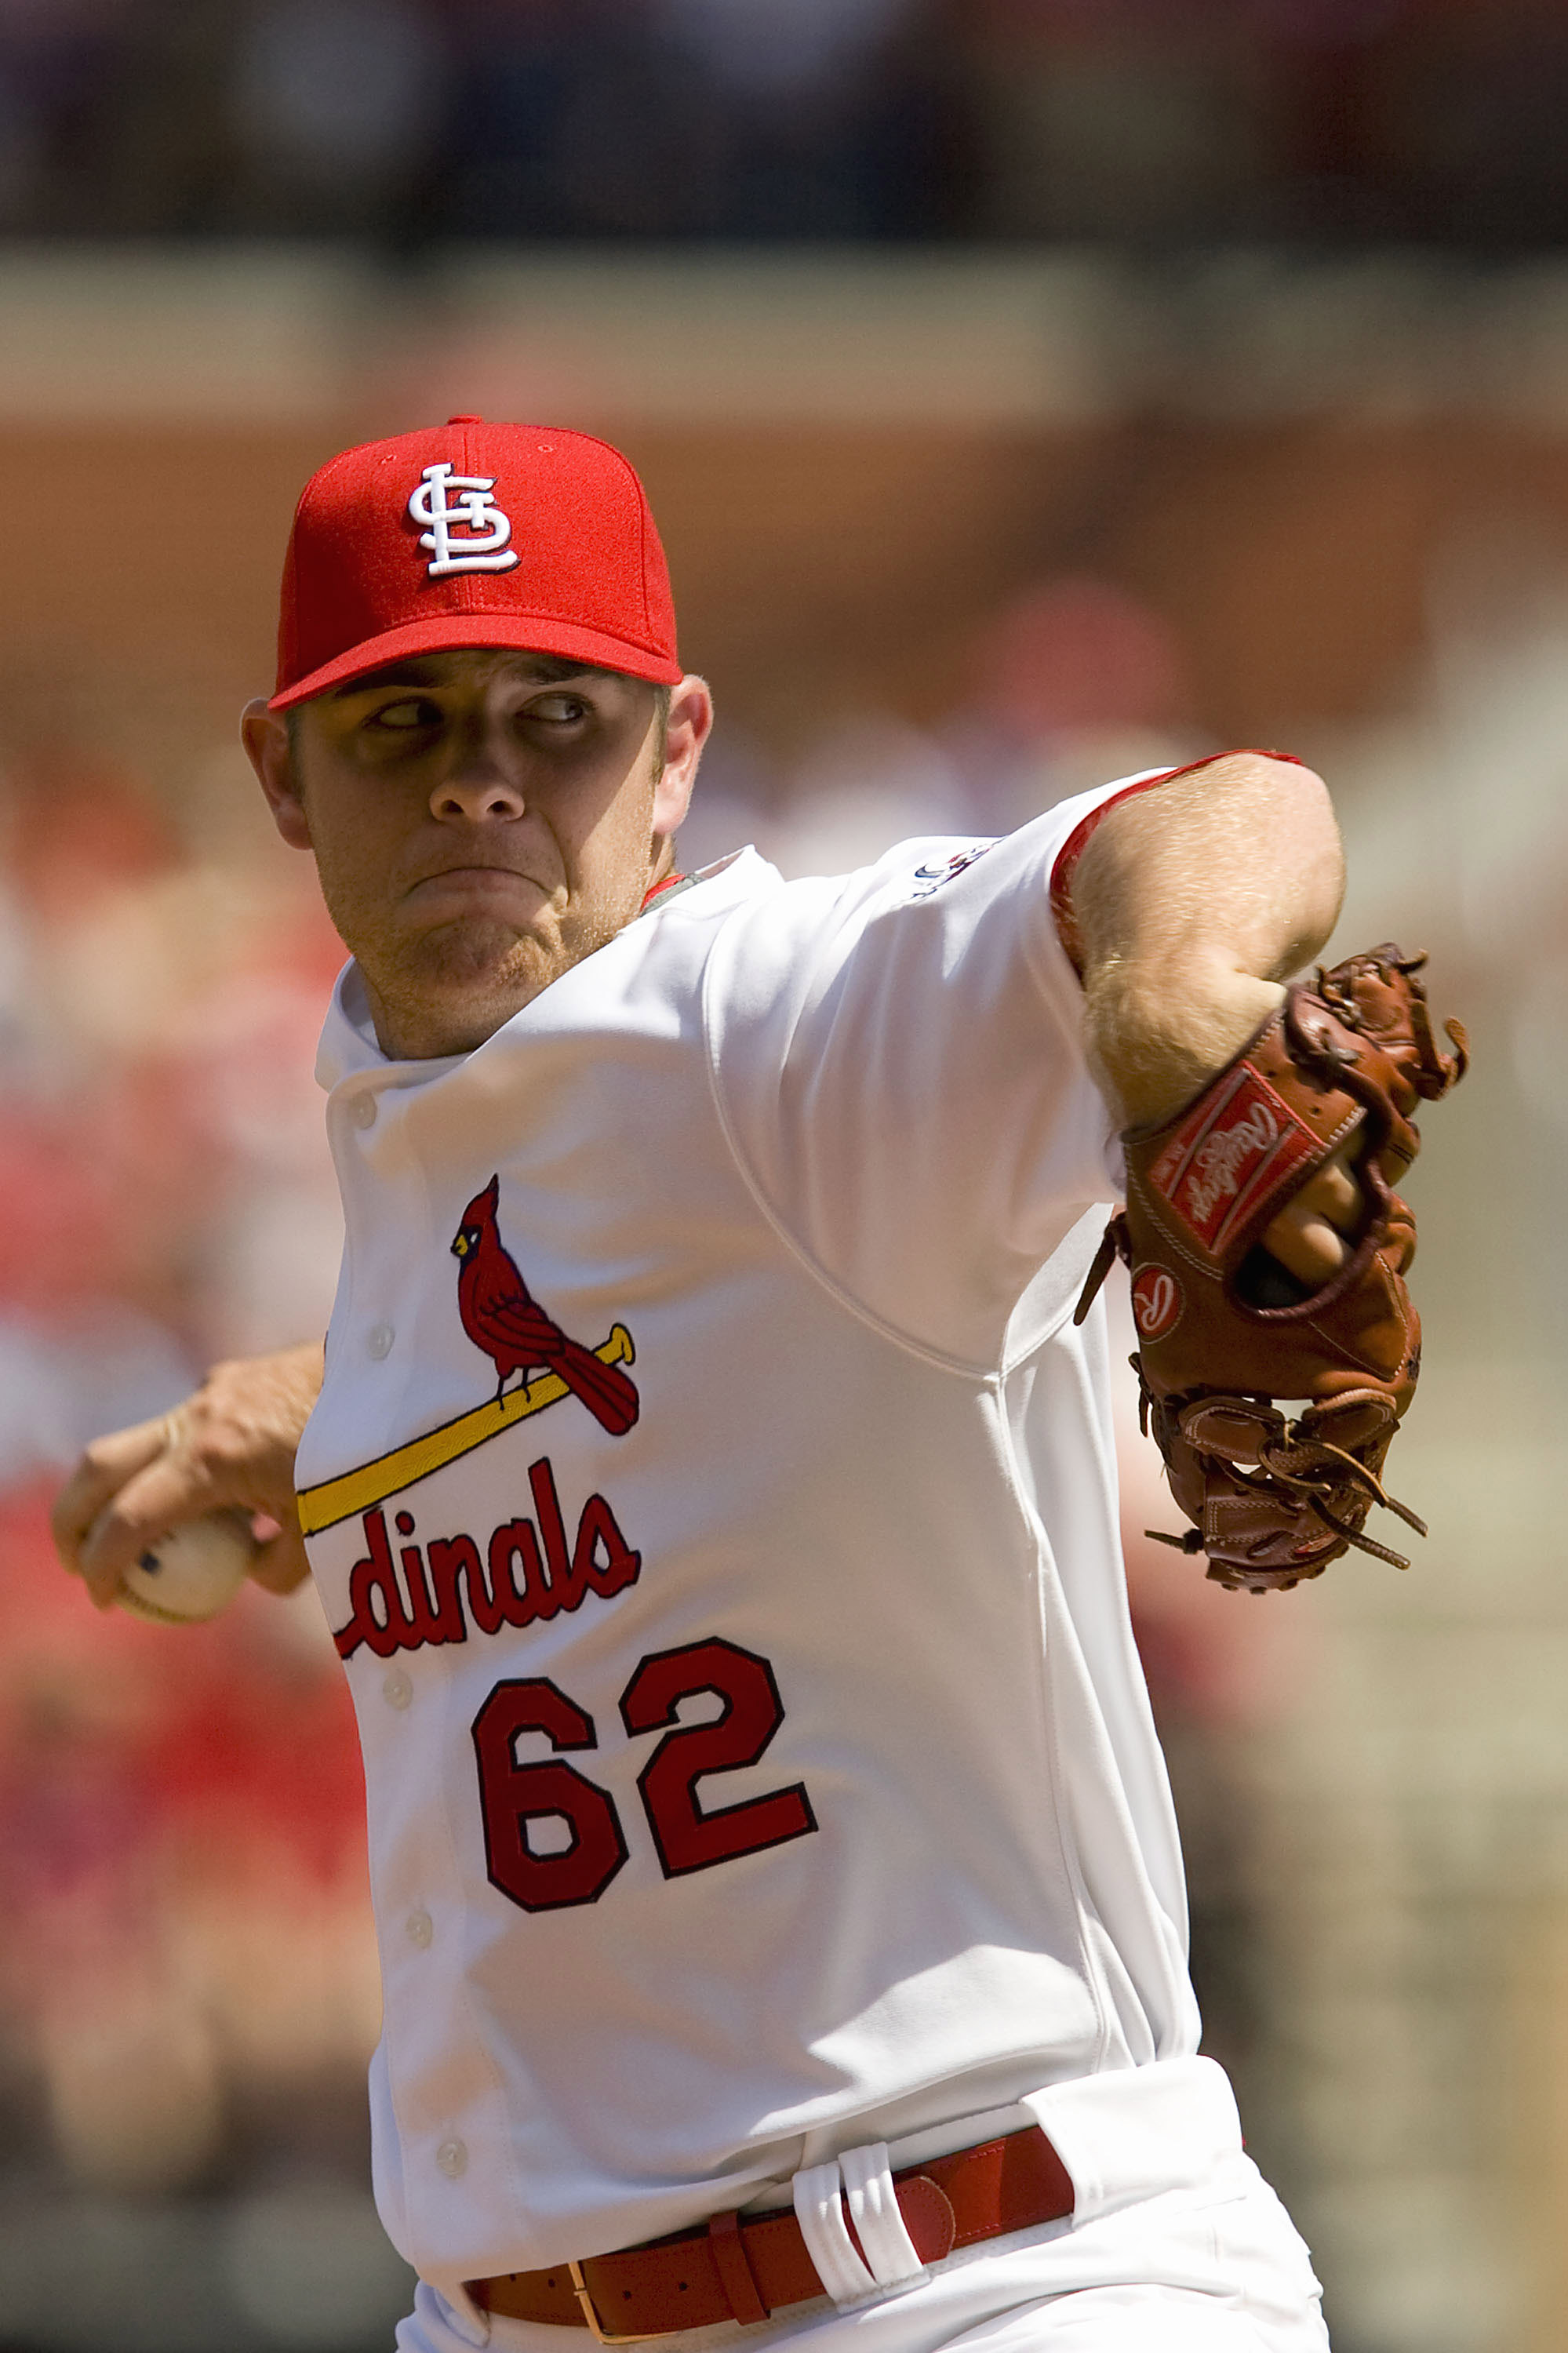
(1224, 1333)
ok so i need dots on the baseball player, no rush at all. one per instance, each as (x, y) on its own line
(711, 1494)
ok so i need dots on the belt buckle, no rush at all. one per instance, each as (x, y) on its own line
(584, 2294)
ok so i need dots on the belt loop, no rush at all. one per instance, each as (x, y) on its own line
(732, 2264)
(875, 2218)
(820, 2210)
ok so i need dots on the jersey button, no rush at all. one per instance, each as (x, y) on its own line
(420, 1928)
(363, 1109)
(396, 1689)
(452, 2158)
(378, 1340)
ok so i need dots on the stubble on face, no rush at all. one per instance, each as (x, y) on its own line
(443, 988)
(566, 879)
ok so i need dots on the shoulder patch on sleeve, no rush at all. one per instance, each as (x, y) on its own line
(928, 879)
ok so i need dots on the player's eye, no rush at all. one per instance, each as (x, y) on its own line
(406, 717)
(557, 710)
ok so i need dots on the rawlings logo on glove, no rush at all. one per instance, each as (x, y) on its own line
(1233, 1142)
(1224, 1332)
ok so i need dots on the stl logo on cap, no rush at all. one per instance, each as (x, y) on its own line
(466, 534)
(406, 546)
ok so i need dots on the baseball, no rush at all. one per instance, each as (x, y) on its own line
(192, 1572)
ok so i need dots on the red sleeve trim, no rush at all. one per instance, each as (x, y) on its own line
(1077, 841)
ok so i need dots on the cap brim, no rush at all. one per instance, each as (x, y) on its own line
(516, 632)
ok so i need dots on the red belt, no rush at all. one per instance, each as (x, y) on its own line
(745, 2267)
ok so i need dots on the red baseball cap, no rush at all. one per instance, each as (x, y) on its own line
(473, 534)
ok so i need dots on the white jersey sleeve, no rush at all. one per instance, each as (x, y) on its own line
(899, 1058)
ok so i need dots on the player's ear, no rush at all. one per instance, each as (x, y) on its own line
(270, 751)
(686, 731)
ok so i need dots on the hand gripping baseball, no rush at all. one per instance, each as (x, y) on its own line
(1225, 1333)
(228, 1447)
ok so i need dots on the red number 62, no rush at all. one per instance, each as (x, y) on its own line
(685, 1836)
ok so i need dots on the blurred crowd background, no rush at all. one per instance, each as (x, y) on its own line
(1031, 391)
(411, 120)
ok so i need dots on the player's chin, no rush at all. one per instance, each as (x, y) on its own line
(485, 965)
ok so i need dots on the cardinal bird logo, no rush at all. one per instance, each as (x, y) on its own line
(506, 1322)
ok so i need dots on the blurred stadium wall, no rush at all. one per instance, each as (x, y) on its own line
(951, 534)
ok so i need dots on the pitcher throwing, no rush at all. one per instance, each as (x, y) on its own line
(780, 1910)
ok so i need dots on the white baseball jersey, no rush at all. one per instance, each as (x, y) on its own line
(757, 1757)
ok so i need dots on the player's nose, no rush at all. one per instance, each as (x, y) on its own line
(479, 786)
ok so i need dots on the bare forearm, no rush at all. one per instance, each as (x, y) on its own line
(1195, 901)
(230, 1445)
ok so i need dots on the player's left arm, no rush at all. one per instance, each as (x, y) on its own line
(1194, 902)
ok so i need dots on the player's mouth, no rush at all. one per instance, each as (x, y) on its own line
(478, 882)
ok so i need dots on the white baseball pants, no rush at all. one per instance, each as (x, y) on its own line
(1215, 2268)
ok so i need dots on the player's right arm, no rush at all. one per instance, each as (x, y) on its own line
(230, 1445)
